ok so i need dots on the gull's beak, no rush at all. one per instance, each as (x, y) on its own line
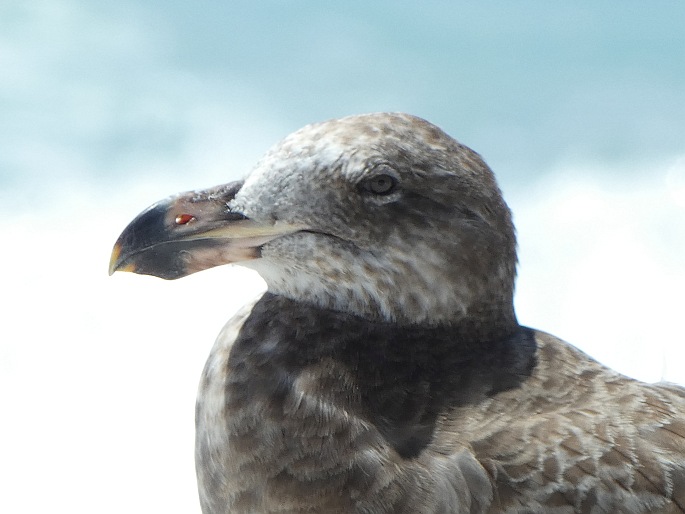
(192, 232)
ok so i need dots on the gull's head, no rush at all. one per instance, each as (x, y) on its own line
(382, 215)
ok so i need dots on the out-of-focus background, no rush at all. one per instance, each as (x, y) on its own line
(106, 107)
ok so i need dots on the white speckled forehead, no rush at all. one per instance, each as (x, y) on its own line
(342, 149)
(315, 146)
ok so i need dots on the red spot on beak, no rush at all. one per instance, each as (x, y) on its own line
(182, 219)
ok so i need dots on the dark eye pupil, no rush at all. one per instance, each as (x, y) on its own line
(382, 184)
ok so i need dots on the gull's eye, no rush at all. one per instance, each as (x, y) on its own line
(381, 184)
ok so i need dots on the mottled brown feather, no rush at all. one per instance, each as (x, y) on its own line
(573, 437)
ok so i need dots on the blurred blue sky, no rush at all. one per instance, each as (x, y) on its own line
(106, 107)
(95, 91)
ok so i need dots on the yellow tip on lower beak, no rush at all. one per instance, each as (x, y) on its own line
(114, 261)
(116, 251)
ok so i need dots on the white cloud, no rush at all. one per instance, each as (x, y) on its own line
(603, 265)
